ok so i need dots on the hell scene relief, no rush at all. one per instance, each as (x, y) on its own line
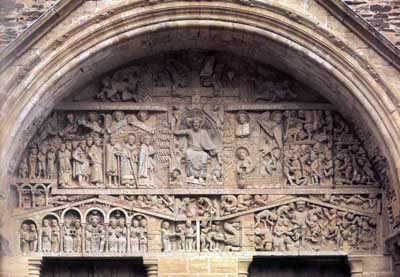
(197, 151)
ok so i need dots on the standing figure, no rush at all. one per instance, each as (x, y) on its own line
(146, 162)
(46, 236)
(95, 154)
(190, 236)
(166, 237)
(112, 236)
(143, 235)
(77, 236)
(23, 170)
(42, 165)
(80, 162)
(24, 238)
(129, 162)
(33, 156)
(200, 145)
(135, 235)
(55, 236)
(113, 152)
(51, 163)
(33, 238)
(122, 233)
(68, 236)
(64, 165)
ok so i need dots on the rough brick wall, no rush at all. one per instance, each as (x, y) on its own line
(384, 15)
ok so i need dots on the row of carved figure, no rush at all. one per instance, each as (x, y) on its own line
(305, 147)
(214, 236)
(95, 237)
(311, 227)
(82, 158)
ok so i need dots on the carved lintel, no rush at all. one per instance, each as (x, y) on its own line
(151, 265)
(299, 191)
(122, 106)
(279, 106)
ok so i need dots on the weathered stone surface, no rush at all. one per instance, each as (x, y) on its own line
(266, 175)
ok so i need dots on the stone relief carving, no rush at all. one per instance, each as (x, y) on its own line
(305, 226)
(345, 222)
(280, 149)
(198, 152)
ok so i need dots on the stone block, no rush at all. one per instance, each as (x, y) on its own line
(198, 265)
(223, 265)
(172, 265)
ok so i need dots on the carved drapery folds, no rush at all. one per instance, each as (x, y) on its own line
(198, 151)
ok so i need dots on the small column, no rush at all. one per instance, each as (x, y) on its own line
(34, 267)
(244, 266)
(356, 266)
(151, 265)
(128, 237)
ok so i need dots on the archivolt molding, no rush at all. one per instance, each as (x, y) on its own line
(36, 90)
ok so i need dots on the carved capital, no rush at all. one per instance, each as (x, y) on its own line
(151, 265)
(243, 266)
(34, 266)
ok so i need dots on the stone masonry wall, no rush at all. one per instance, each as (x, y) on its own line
(17, 15)
(384, 15)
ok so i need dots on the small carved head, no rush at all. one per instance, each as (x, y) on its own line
(135, 223)
(34, 150)
(131, 139)
(242, 117)
(143, 116)
(45, 223)
(71, 118)
(77, 223)
(97, 141)
(32, 227)
(242, 153)
(93, 117)
(175, 174)
(165, 225)
(118, 115)
(25, 227)
(147, 139)
(277, 116)
(197, 122)
(300, 205)
(89, 141)
(143, 222)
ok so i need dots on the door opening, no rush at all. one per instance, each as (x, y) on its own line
(300, 267)
(94, 267)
